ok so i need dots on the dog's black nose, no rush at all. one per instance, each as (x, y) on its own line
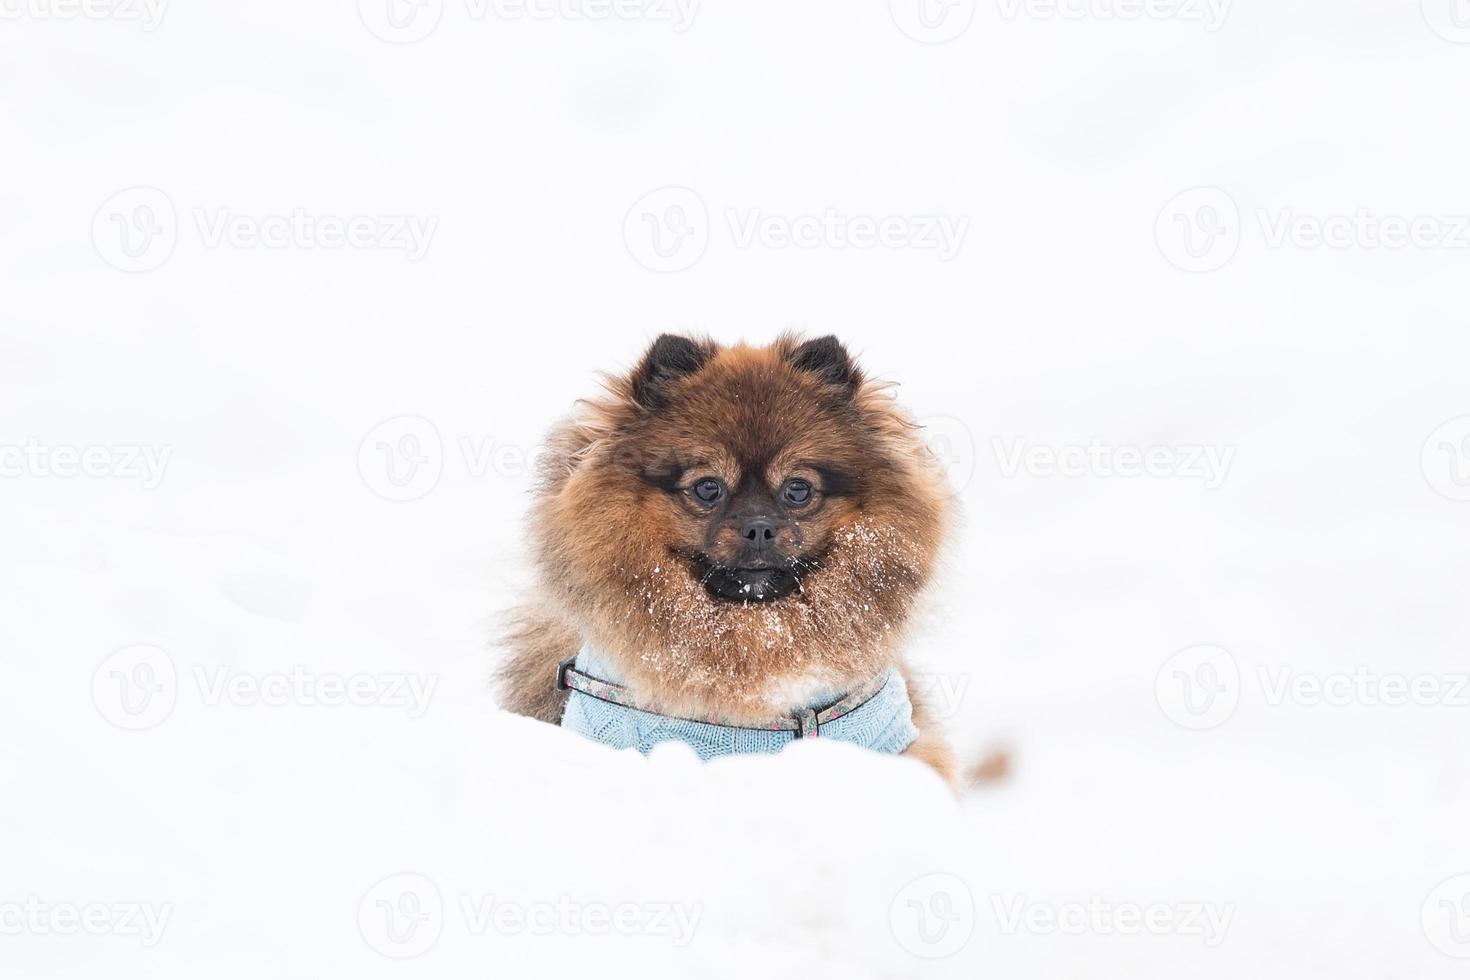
(758, 532)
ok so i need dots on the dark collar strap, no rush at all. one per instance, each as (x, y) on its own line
(806, 723)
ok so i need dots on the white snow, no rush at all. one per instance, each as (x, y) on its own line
(313, 616)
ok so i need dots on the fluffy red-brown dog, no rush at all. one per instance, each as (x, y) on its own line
(739, 529)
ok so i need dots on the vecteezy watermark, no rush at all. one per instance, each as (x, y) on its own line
(933, 916)
(678, 14)
(1362, 229)
(407, 21)
(1450, 19)
(564, 916)
(1200, 230)
(311, 689)
(951, 447)
(1097, 916)
(403, 458)
(63, 461)
(1201, 686)
(147, 14)
(1445, 459)
(137, 229)
(1209, 13)
(1361, 686)
(932, 21)
(34, 916)
(400, 21)
(1445, 917)
(942, 234)
(669, 229)
(404, 915)
(401, 916)
(138, 687)
(1198, 687)
(300, 229)
(943, 694)
(1208, 464)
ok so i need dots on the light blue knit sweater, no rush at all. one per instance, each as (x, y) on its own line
(883, 723)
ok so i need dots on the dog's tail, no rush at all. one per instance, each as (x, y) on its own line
(991, 768)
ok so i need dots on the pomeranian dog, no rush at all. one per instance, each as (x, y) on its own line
(729, 547)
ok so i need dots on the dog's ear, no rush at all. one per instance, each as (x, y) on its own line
(828, 360)
(670, 358)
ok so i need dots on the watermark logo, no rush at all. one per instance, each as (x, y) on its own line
(943, 694)
(401, 916)
(951, 447)
(125, 461)
(404, 915)
(1209, 13)
(136, 687)
(932, 21)
(933, 916)
(1097, 916)
(135, 230)
(678, 14)
(1450, 19)
(1199, 229)
(408, 21)
(34, 916)
(1201, 687)
(400, 21)
(410, 234)
(1362, 687)
(1445, 917)
(1208, 464)
(402, 458)
(148, 14)
(1445, 459)
(308, 689)
(565, 916)
(942, 234)
(1198, 688)
(1362, 229)
(667, 230)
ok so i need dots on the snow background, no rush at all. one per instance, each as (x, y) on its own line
(268, 545)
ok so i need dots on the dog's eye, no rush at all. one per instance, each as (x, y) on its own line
(708, 490)
(797, 493)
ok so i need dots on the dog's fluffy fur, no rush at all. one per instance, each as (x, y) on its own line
(626, 552)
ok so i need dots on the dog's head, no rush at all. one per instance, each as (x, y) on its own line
(757, 460)
(741, 502)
